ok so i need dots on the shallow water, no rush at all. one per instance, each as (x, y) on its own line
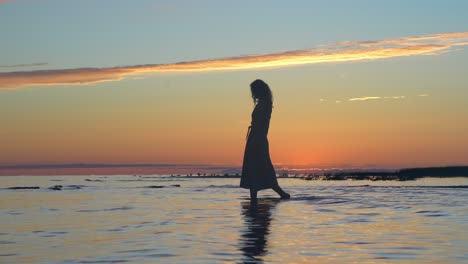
(119, 219)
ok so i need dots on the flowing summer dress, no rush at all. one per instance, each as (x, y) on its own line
(258, 172)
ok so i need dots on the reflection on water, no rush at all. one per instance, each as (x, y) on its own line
(119, 219)
(257, 219)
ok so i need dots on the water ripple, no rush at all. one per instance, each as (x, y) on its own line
(123, 208)
(213, 221)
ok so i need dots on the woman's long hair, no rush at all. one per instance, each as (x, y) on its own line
(261, 92)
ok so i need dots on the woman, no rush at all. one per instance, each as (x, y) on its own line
(257, 170)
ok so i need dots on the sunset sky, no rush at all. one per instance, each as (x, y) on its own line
(356, 84)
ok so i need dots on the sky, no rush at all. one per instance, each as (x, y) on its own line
(356, 84)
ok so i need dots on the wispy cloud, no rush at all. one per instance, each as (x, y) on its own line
(339, 52)
(24, 65)
(371, 98)
(394, 97)
(366, 98)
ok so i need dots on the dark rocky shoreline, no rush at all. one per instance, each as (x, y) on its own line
(399, 175)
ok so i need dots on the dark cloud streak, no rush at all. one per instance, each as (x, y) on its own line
(24, 65)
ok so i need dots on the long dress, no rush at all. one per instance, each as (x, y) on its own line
(258, 172)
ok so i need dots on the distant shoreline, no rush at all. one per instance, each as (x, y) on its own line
(400, 175)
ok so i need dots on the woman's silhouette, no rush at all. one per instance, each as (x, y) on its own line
(257, 169)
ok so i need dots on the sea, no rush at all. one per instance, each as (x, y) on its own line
(164, 219)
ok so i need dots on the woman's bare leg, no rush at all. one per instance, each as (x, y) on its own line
(253, 195)
(281, 192)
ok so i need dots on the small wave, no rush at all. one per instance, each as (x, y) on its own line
(23, 188)
(115, 230)
(447, 187)
(119, 208)
(432, 213)
(161, 255)
(355, 242)
(161, 186)
(104, 261)
(58, 232)
(106, 210)
(436, 215)
(359, 220)
(427, 211)
(294, 198)
(8, 255)
(50, 233)
(136, 251)
(67, 187)
(52, 209)
(332, 201)
(13, 213)
(161, 232)
(367, 214)
(94, 180)
(223, 186)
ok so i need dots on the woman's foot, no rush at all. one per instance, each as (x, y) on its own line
(281, 192)
(285, 195)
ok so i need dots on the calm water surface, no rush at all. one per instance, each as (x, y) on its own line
(119, 219)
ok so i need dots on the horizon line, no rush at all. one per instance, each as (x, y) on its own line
(201, 166)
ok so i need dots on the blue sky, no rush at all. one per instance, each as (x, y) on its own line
(89, 33)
